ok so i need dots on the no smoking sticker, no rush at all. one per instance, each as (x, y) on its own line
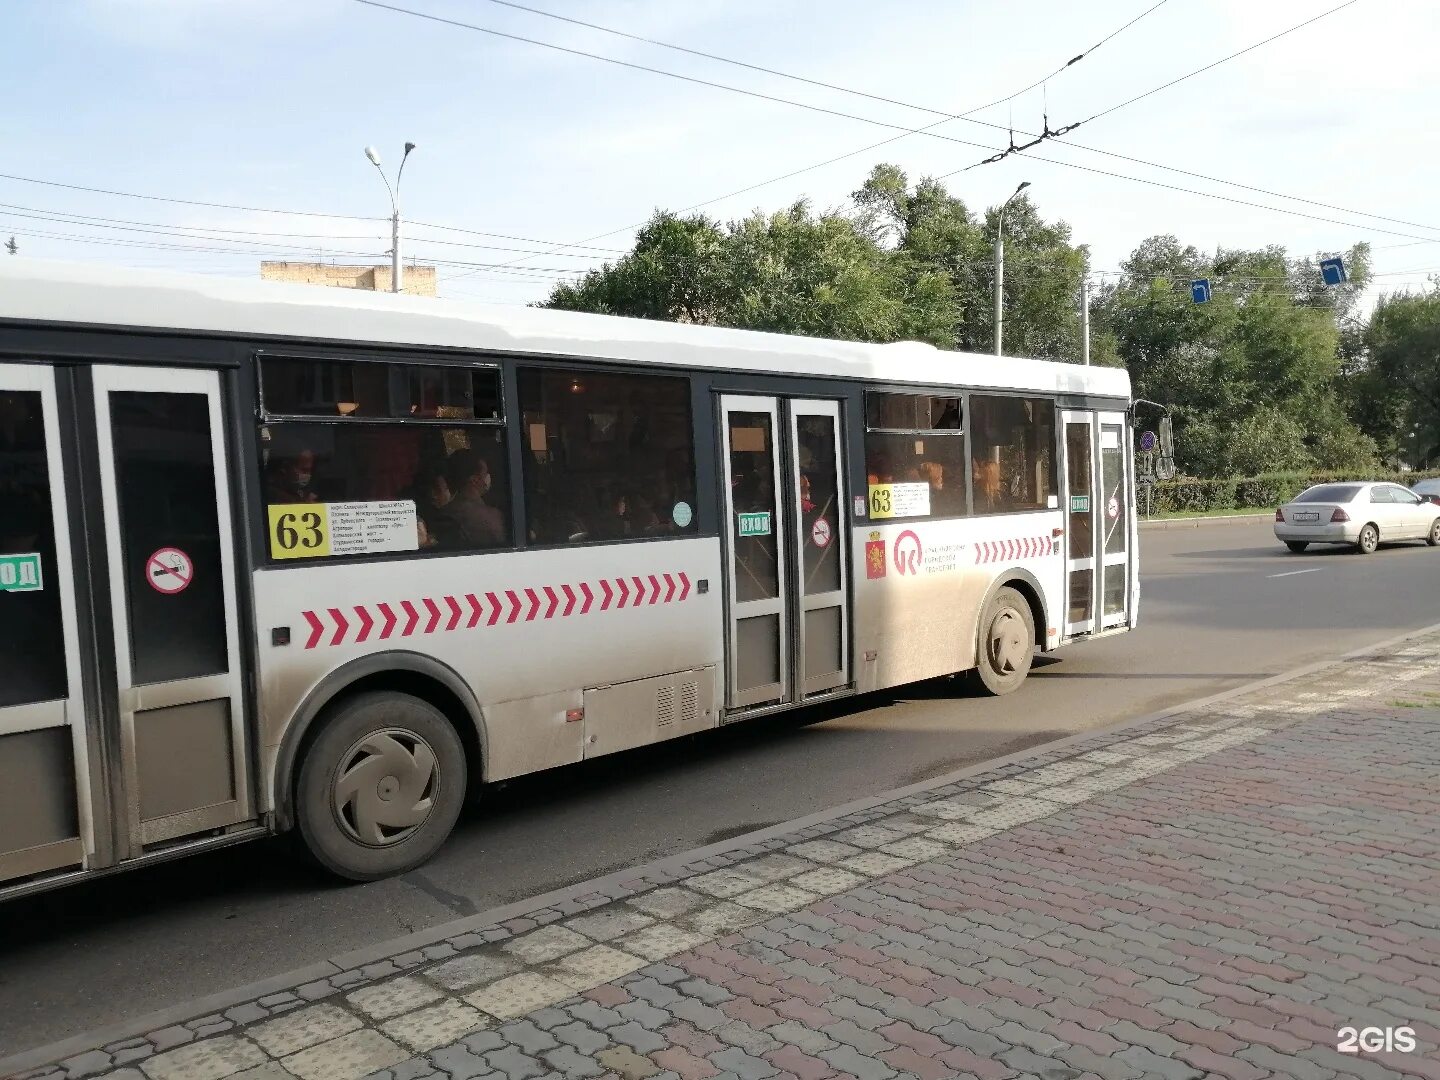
(169, 571)
(1113, 507)
(820, 532)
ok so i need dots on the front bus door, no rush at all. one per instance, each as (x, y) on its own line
(1097, 533)
(787, 569)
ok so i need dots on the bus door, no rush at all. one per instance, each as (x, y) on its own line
(787, 567)
(1097, 532)
(170, 555)
(122, 723)
(45, 755)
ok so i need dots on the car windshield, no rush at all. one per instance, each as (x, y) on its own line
(1329, 493)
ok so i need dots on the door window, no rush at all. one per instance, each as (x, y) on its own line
(169, 535)
(32, 644)
(752, 496)
(819, 503)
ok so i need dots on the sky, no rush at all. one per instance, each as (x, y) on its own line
(270, 104)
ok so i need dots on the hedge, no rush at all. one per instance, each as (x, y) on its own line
(1264, 492)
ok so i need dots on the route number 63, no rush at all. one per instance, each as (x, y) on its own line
(299, 531)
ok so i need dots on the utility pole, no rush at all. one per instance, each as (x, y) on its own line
(1085, 321)
(1000, 268)
(374, 156)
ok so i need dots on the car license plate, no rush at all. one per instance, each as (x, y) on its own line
(1307, 517)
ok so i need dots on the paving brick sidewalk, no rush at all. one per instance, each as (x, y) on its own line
(1216, 893)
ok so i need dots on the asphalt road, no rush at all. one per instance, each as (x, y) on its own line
(1222, 605)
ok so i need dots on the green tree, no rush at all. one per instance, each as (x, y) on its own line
(1254, 375)
(12, 247)
(1403, 373)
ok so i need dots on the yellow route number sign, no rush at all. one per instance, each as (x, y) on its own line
(299, 530)
(899, 500)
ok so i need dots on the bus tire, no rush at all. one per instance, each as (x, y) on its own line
(1006, 644)
(380, 787)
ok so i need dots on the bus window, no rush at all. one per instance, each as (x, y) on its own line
(914, 455)
(1012, 453)
(607, 457)
(407, 457)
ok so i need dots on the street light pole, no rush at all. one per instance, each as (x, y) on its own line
(1000, 267)
(395, 268)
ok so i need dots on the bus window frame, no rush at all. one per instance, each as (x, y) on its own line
(265, 560)
(1058, 403)
(960, 394)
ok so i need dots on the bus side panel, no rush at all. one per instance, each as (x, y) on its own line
(919, 586)
(527, 631)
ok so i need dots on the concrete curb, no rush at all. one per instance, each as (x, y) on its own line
(223, 1000)
(1190, 523)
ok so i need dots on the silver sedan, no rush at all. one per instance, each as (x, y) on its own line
(1361, 515)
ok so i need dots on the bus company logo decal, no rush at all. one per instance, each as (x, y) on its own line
(467, 611)
(1025, 547)
(908, 552)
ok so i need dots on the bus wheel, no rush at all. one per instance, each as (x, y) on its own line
(1007, 643)
(380, 787)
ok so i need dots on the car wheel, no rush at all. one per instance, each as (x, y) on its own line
(380, 787)
(1369, 540)
(1297, 545)
(1007, 643)
(1433, 536)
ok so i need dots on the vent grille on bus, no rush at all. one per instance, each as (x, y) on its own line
(665, 706)
(689, 702)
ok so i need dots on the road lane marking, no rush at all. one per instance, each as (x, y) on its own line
(1292, 573)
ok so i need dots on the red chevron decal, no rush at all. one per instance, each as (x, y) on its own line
(414, 616)
(389, 627)
(316, 629)
(430, 615)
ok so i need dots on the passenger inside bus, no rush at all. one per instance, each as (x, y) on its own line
(290, 479)
(478, 523)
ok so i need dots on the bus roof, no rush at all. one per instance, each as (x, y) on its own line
(80, 294)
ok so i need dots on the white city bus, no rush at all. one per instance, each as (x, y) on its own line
(283, 557)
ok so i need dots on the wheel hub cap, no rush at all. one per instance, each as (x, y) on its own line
(384, 787)
(1007, 643)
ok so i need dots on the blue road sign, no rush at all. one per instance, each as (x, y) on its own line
(1333, 271)
(1200, 291)
(1148, 442)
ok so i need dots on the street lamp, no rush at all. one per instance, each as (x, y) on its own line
(374, 156)
(1000, 266)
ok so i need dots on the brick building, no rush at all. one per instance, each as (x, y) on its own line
(417, 280)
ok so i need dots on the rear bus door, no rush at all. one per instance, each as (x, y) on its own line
(1098, 563)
